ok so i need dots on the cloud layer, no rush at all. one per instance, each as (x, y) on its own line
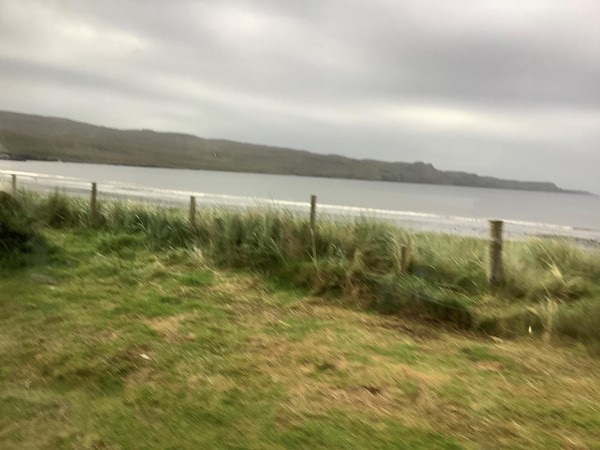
(499, 87)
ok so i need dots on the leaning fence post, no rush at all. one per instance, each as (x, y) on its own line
(14, 183)
(495, 274)
(192, 216)
(313, 223)
(94, 205)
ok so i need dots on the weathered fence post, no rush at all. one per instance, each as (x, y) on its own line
(14, 183)
(404, 258)
(192, 217)
(313, 224)
(313, 212)
(495, 274)
(94, 205)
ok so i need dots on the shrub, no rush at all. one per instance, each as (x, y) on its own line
(18, 235)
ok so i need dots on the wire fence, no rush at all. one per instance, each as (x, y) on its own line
(10, 180)
(417, 221)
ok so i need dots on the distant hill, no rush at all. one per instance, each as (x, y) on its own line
(24, 136)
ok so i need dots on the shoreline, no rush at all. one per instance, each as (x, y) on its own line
(416, 221)
(151, 166)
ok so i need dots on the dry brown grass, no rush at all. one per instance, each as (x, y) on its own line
(169, 328)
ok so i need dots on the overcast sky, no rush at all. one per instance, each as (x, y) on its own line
(509, 88)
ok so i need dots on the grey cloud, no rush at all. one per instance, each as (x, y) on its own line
(332, 55)
(481, 86)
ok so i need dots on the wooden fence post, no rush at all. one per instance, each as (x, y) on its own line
(313, 224)
(313, 212)
(404, 258)
(192, 216)
(14, 183)
(495, 275)
(94, 205)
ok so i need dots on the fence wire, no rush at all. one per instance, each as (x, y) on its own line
(417, 221)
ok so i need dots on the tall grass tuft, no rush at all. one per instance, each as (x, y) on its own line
(19, 237)
(541, 268)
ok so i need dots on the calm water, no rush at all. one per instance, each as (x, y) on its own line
(580, 211)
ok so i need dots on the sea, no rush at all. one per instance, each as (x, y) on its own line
(446, 209)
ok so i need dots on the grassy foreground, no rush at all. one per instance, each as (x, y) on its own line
(105, 343)
(551, 289)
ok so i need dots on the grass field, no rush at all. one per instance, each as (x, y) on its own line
(107, 343)
(551, 288)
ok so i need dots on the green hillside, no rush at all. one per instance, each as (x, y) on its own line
(24, 136)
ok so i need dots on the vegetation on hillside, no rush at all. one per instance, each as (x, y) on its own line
(25, 136)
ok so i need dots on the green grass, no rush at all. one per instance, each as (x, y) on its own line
(108, 343)
(552, 287)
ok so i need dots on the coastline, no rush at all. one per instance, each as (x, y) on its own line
(558, 190)
(413, 220)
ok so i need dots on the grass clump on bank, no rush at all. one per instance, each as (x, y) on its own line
(551, 288)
